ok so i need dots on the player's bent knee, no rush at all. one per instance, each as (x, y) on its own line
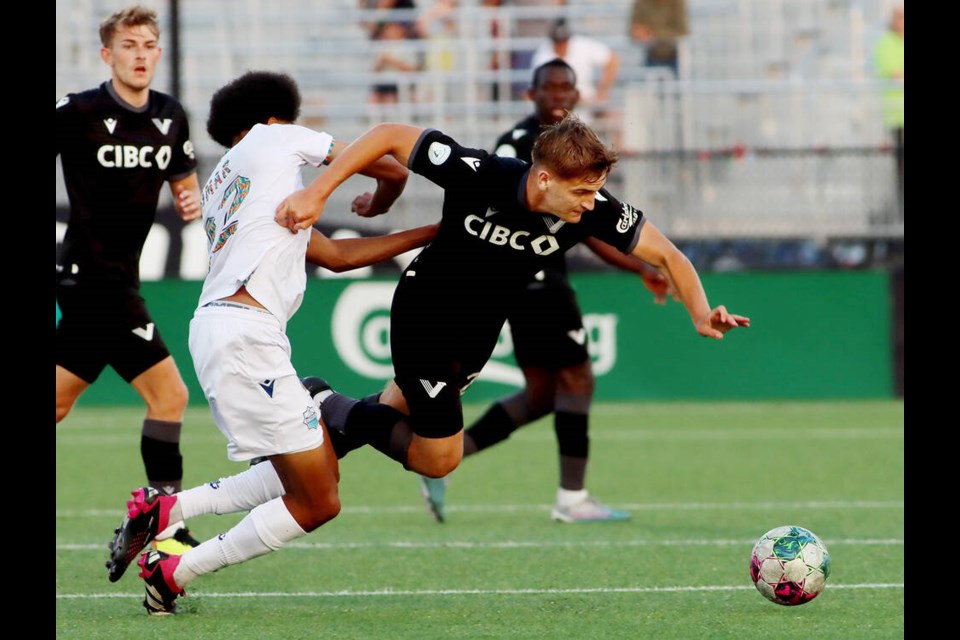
(323, 510)
(435, 458)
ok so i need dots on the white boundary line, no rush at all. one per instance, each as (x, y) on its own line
(523, 544)
(465, 592)
(641, 506)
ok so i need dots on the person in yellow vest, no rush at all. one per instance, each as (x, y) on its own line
(888, 62)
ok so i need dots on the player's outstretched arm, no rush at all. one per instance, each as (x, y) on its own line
(186, 197)
(653, 279)
(655, 248)
(302, 209)
(391, 177)
(352, 253)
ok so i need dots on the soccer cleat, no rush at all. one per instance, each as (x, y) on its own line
(316, 386)
(162, 591)
(180, 542)
(147, 514)
(588, 510)
(434, 491)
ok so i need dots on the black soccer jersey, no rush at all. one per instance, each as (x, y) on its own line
(115, 160)
(518, 143)
(487, 227)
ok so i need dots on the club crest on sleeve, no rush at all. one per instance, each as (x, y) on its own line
(438, 153)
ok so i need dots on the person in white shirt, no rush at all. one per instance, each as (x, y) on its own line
(594, 62)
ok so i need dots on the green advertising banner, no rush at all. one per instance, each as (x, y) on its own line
(823, 335)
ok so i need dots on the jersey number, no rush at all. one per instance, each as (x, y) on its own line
(234, 193)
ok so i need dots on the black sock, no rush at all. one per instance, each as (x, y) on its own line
(493, 427)
(571, 430)
(574, 445)
(366, 421)
(160, 450)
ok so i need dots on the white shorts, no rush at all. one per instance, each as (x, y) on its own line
(242, 360)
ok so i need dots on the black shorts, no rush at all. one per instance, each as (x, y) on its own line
(441, 336)
(547, 326)
(101, 327)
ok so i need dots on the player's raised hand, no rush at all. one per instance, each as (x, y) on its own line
(719, 321)
(298, 211)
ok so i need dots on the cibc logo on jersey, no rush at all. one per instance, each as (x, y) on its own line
(499, 235)
(128, 156)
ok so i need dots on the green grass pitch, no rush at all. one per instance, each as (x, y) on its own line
(703, 481)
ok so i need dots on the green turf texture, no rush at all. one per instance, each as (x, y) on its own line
(703, 482)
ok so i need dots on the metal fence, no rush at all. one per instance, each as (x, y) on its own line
(773, 130)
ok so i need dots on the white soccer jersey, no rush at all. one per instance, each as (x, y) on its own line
(246, 246)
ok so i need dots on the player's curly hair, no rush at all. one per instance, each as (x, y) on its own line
(571, 149)
(251, 99)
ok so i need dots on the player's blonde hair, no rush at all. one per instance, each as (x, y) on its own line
(571, 149)
(130, 17)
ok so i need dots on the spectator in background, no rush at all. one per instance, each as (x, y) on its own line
(658, 25)
(392, 57)
(586, 56)
(888, 61)
(383, 9)
(438, 26)
(528, 27)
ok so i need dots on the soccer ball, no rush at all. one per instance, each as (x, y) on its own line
(789, 565)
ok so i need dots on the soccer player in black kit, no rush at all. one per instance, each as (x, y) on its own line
(549, 339)
(501, 220)
(118, 143)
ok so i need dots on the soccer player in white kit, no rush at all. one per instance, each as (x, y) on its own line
(240, 349)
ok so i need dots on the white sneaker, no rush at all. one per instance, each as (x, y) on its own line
(588, 510)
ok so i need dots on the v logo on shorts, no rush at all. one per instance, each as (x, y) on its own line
(144, 332)
(432, 389)
(267, 386)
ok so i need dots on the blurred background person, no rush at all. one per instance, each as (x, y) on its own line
(588, 57)
(391, 57)
(888, 61)
(438, 25)
(658, 26)
(383, 9)
(527, 27)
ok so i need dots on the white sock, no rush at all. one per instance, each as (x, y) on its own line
(255, 486)
(567, 498)
(267, 528)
